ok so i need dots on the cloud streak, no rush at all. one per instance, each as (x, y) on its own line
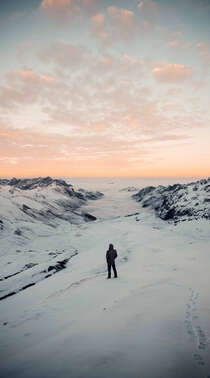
(171, 72)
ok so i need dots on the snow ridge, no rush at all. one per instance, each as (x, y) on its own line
(43, 200)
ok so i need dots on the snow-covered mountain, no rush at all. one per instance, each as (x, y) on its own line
(179, 201)
(30, 210)
(41, 200)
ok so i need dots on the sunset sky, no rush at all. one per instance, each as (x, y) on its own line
(105, 88)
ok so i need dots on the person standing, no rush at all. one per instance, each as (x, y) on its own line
(111, 255)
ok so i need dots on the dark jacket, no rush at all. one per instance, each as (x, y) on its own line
(111, 255)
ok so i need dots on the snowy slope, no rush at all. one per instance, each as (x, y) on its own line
(179, 201)
(33, 209)
(151, 322)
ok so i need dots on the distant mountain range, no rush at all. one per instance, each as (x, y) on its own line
(177, 202)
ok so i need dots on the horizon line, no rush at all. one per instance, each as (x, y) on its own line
(108, 177)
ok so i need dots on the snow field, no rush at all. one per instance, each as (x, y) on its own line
(151, 322)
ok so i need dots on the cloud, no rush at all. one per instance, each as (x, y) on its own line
(148, 11)
(28, 75)
(33, 152)
(124, 17)
(171, 72)
(65, 55)
(26, 152)
(176, 40)
(92, 109)
(116, 25)
(98, 20)
(65, 12)
(25, 87)
(100, 29)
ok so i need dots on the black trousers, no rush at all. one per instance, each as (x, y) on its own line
(109, 266)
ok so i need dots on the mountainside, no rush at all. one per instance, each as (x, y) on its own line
(41, 200)
(32, 212)
(179, 201)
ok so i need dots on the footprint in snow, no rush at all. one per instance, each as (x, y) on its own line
(194, 330)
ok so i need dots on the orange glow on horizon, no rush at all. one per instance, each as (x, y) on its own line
(59, 171)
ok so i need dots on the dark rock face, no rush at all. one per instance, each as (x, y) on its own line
(18, 232)
(177, 202)
(58, 266)
(86, 195)
(88, 217)
(143, 192)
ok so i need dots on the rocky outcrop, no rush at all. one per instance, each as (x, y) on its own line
(129, 189)
(179, 201)
(38, 274)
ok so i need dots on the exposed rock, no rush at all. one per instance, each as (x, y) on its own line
(87, 195)
(58, 266)
(88, 217)
(38, 276)
(129, 189)
(143, 192)
(207, 188)
(18, 232)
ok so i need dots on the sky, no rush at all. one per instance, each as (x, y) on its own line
(96, 88)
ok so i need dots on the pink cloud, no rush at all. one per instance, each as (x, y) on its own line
(66, 4)
(166, 72)
(25, 87)
(124, 17)
(98, 19)
(65, 11)
(99, 28)
(102, 112)
(119, 24)
(28, 75)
